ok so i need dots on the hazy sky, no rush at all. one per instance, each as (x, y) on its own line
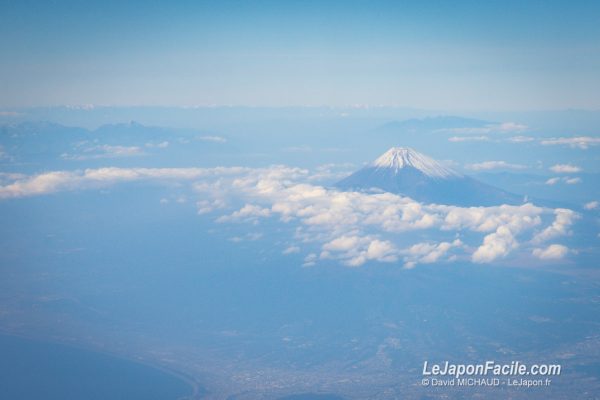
(443, 55)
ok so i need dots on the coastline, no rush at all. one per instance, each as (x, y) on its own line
(196, 390)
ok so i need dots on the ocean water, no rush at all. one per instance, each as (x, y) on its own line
(31, 369)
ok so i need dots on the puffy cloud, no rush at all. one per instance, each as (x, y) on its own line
(566, 179)
(331, 172)
(351, 227)
(214, 139)
(489, 219)
(50, 182)
(40, 184)
(357, 227)
(510, 127)
(119, 151)
(581, 142)
(248, 237)
(505, 222)
(310, 260)
(564, 168)
(563, 220)
(487, 165)
(341, 222)
(592, 205)
(495, 245)
(208, 206)
(354, 251)
(520, 139)
(291, 250)
(343, 243)
(247, 213)
(468, 138)
(427, 253)
(552, 252)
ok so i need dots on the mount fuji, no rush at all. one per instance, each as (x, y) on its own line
(407, 172)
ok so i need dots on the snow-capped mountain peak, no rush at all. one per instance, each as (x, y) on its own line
(398, 158)
(409, 173)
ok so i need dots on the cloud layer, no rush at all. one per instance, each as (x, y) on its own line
(582, 142)
(565, 169)
(552, 252)
(349, 227)
(488, 165)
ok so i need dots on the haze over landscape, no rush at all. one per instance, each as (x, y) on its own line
(297, 200)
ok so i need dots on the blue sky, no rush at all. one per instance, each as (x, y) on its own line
(439, 55)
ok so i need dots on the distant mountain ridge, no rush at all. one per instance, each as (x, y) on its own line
(407, 172)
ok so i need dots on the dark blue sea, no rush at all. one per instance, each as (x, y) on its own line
(31, 369)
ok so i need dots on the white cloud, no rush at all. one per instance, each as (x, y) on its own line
(503, 223)
(592, 205)
(119, 151)
(564, 168)
(50, 182)
(248, 237)
(566, 179)
(552, 252)
(521, 139)
(341, 220)
(489, 219)
(10, 114)
(354, 251)
(468, 139)
(563, 220)
(160, 145)
(331, 172)
(104, 151)
(291, 250)
(505, 127)
(343, 243)
(581, 142)
(310, 260)
(511, 127)
(426, 253)
(247, 213)
(351, 227)
(208, 206)
(214, 139)
(495, 245)
(487, 165)
(40, 184)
